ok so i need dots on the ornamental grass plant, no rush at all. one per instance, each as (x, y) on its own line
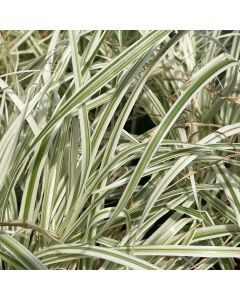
(119, 150)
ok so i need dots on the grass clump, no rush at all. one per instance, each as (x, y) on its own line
(119, 150)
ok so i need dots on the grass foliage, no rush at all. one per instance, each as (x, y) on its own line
(119, 150)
